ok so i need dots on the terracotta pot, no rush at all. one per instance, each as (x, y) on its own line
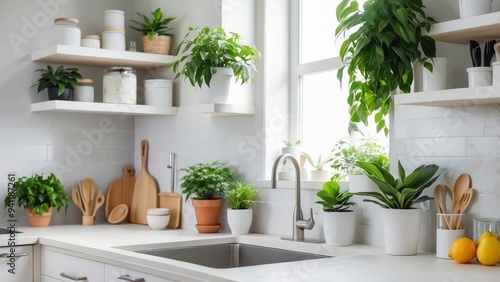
(159, 45)
(35, 220)
(207, 213)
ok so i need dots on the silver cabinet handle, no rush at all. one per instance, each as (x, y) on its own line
(6, 255)
(127, 277)
(74, 278)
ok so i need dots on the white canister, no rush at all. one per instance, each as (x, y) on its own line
(496, 73)
(470, 8)
(91, 41)
(120, 86)
(158, 92)
(114, 19)
(113, 38)
(438, 78)
(479, 76)
(84, 91)
(66, 32)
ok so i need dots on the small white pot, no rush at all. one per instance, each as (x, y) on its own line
(239, 221)
(401, 231)
(292, 150)
(218, 92)
(361, 183)
(479, 76)
(286, 175)
(320, 175)
(339, 228)
(158, 92)
(470, 8)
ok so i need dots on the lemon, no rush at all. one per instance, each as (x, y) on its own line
(488, 251)
(463, 250)
(485, 234)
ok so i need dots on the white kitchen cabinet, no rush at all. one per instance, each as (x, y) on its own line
(459, 31)
(119, 274)
(21, 264)
(60, 265)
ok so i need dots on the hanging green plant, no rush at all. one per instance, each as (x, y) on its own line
(380, 53)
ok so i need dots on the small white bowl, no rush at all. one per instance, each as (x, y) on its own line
(158, 211)
(158, 222)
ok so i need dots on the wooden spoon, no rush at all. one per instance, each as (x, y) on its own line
(463, 205)
(85, 204)
(461, 185)
(440, 198)
(75, 196)
(88, 188)
(98, 201)
(118, 214)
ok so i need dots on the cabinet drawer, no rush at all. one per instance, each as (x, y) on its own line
(65, 267)
(19, 268)
(114, 272)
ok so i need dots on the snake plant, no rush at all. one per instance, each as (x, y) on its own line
(400, 193)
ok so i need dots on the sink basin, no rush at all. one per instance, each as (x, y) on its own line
(4, 230)
(229, 255)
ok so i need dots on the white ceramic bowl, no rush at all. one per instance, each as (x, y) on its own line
(158, 222)
(158, 211)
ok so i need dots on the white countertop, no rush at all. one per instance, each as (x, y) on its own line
(352, 263)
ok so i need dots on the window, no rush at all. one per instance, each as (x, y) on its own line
(319, 103)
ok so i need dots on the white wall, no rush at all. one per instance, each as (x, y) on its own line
(70, 145)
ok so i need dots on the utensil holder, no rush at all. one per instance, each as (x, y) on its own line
(495, 73)
(479, 76)
(88, 220)
(445, 236)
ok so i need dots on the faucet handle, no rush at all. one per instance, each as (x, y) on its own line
(306, 224)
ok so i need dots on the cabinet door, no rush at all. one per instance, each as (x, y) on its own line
(19, 261)
(120, 274)
(65, 267)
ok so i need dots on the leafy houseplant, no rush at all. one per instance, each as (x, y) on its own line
(155, 31)
(240, 199)
(400, 193)
(205, 183)
(339, 221)
(334, 200)
(346, 155)
(213, 48)
(320, 163)
(57, 81)
(397, 196)
(240, 196)
(387, 40)
(37, 194)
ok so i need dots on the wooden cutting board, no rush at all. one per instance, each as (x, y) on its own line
(121, 191)
(145, 189)
(173, 201)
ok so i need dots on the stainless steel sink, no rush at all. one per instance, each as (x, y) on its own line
(229, 255)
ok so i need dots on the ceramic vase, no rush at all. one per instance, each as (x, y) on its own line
(339, 228)
(401, 231)
(239, 221)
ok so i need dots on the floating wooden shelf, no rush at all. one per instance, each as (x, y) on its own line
(451, 97)
(480, 28)
(101, 108)
(222, 109)
(63, 54)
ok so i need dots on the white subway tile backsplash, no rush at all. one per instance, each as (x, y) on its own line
(450, 147)
(483, 146)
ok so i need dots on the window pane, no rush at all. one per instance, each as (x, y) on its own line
(318, 25)
(324, 113)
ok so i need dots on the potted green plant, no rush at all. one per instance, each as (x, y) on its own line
(156, 32)
(397, 196)
(339, 221)
(345, 156)
(240, 199)
(38, 195)
(211, 59)
(388, 37)
(59, 82)
(318, 173)
(205, 184)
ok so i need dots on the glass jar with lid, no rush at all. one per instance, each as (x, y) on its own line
(66, 32)
(120, 86)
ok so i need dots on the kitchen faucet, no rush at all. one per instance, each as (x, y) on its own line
(299, 223)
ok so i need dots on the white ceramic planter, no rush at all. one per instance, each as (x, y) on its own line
(292, 150)
(239, 221)
(158, 92)
(339, 228)
(361, 183)
(470, 8)
(320, 175)
(401, 231)
(218, 92)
